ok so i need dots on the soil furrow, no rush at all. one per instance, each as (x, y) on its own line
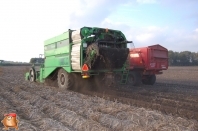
(137, 108)
(50, 110)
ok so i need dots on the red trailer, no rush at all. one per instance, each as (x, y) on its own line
(146, 62)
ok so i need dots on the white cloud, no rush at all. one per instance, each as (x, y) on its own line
(146, 1)
(92, 13)
(156, 29)
(113, 24)
(182, 40)
(172, 39)
(26, 24)
(144, 37)
(148, 35)
(196, 30)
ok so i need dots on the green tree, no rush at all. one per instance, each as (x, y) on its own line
(184, 58)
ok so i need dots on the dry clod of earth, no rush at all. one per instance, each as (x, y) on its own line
(42, 107)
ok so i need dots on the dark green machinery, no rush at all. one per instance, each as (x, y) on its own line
(78, 55)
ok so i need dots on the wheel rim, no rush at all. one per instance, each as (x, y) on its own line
(62, 79)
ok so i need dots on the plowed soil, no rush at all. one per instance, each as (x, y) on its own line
(170, 104)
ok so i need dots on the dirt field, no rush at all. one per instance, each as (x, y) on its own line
(180, 75)
(171, 104)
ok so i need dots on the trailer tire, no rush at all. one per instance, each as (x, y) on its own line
(32, 75)
(145, 81)
(64, 79)
(149, 80)
(134, 78)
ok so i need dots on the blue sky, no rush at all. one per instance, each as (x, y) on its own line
(25, 24)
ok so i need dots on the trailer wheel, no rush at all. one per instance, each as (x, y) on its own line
(134, 78)
(149, 80)
(32, 75)
(145, 81)
(64, 79)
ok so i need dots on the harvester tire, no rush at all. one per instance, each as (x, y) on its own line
(64, 79)
(134, 78)
(32, 75)
(149, 80)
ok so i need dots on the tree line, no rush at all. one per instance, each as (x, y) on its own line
(184, 58)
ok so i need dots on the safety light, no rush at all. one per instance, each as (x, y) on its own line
(85, 67)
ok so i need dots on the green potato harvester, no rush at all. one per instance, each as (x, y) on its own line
(90, 54)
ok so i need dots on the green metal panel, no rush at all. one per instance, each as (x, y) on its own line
(57, 61)
(49, 53)
(58, 51)
(53, 62)
(68, 69)
(41, 74)
(57, 54)
(47, 72)
(57, 38)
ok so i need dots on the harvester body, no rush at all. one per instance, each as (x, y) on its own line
(85, 52)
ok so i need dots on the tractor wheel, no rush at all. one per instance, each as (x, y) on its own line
(134, 78)
(149, 80)
(64, 79)
(32, 75)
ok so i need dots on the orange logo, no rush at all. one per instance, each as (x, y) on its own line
(10, 121)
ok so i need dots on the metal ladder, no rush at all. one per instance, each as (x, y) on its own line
(125, 73)
(124, 78)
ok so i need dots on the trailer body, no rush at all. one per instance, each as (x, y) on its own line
(152, 59)
(146, 62)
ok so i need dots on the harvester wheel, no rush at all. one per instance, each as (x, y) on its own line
(32, 75)
(134, 78)
(64, 79)
(149, 80)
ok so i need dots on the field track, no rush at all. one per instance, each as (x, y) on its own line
(171, 104)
